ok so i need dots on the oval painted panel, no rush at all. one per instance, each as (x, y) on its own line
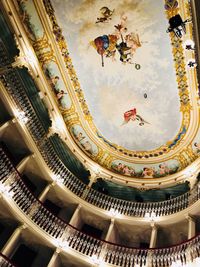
(123, 59)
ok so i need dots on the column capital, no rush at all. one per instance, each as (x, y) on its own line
(189, 217)
(112, 220)
(51, 131)
(93, 177)
(20, 62)
(23, 226)
(153, 225)
(57, 251)
(94, 174)
(52, 184)
(191, 179)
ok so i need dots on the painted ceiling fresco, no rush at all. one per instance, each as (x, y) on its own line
(125, 79)
(123, 59)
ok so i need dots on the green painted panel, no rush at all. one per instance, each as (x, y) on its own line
(133, 194)
(36, 101)
(7, 38)
(68, 158)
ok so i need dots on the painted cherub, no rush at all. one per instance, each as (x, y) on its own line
(87, 147)
(106, 15)
(131, 115)
(121, 28)
(128, 171)
(148, 172)
(133, 42)
(197, 145)
(163, 169)
(60, 94)
(120, 167)
(80, 136)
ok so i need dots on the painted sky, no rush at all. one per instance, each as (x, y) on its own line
(115, 88)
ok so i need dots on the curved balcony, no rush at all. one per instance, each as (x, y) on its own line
(70, 181)
(66, 236)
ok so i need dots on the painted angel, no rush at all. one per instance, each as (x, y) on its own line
(131, 115)
(106, 15)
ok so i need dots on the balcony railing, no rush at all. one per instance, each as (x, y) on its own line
(14, 86)
(5, 262)
(66, 236)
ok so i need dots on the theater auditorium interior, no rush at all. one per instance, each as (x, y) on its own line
(99, 133)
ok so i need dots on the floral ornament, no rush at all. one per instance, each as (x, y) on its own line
(185, 99)
(186, 117)
(58, 33)
(171, 4)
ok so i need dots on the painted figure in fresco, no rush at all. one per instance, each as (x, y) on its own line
(121, 28)
(60, 94)
(128, 171)
(125, 44)
(197, 145)
(87, 147)
(124, 169)
(54, 80)
(133, 41)
(177, 25)
(106, 15)
(148, 172)
(128, 45)
(105, 46)
(120, 167)
(80, 137)
(124, 51)
(110, 51)
(131, 115)
(163, 169)
(141, 120)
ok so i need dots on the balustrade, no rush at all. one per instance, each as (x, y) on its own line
(184, 254)
(5, 262)
(142, 209)
(65, 177)
(66, 235)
